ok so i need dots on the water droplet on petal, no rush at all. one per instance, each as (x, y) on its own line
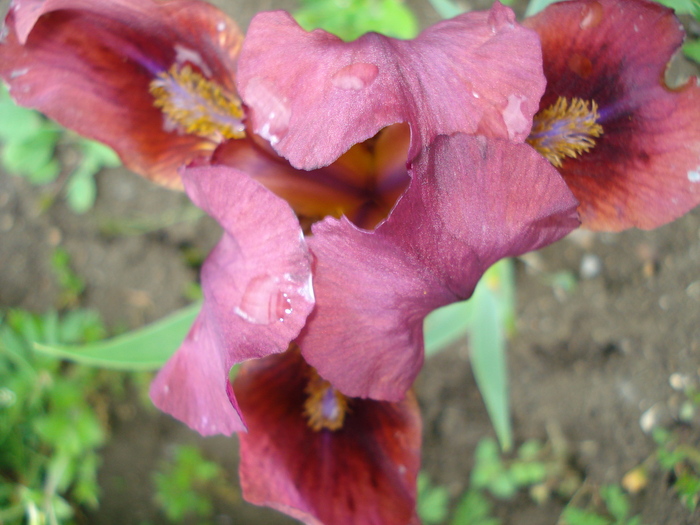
(591, 15)
(272, 110)
(694, 175)
(18, 73)
(269, 299)
(515, 121)
(355, 76)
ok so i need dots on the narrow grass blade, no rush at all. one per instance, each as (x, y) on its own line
(147, 348)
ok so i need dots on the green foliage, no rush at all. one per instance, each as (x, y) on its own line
(48, 432)
(474, 509)
(504, 478)
(29, 145)
(433, 501)
(692, 50)
(71, 284)
(616, 510)
(147, 348)
(349, 19)
(185, 485)
(683, 461)
(486, 320)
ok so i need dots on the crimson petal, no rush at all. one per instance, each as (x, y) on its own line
(644, 170)
(477, 73)
(472, 201)
(257, 295)
(364, 472)
(88, 65)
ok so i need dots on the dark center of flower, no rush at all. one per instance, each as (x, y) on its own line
(325, 407)
(195, 105)
(567, 128)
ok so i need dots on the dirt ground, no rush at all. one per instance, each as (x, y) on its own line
(585, 365)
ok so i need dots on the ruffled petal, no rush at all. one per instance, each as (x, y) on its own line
(477, 73)
(644, 171)
(88, 65)
(257, 295)
(365, 472)
(472, 201)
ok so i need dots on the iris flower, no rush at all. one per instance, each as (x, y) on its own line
(311, 450)
(321, 457)
(98, 68)
(627, 145)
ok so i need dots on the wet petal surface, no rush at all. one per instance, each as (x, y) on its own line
(89, 65)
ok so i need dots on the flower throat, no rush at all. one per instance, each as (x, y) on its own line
(567, 128)
(325, 407)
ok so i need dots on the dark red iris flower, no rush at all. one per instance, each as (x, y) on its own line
(641, 166)
(91, 67)
(323, 458)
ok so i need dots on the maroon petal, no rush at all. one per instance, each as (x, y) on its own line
(364, 472)
(257, 295)
(89, 65)
(477, 73)
(472, 201)
(644, 171)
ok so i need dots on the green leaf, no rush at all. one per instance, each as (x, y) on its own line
(433, 502)
(147, 348)
(574, 516)
(474, 509)
(535, 6)
(81, 192)
(33, 156)
(692, 50)
(682, 7)
(447, 8)
(350, 19)
(16, 123)
(447, 325)
(616, 501)
(487, 345)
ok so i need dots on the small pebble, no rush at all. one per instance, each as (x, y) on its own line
(657, 415)
(591, 266)
(693, 290)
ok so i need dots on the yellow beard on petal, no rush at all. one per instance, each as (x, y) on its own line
(325, 407)
(197, 106)
(567, 128)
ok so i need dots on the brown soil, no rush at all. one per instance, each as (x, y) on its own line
(584, 364)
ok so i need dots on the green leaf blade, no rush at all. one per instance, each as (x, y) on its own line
(147, 348)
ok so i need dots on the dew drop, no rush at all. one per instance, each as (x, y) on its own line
(272, 110)
(694, 175)
(356, 76)
(515, 121)
(591, 15)
(18, 73)
(266, 299)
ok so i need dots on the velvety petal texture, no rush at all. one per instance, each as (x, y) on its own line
(88, 65)
(472, 201)
(257, 295)
(313, 96)
(363, 473)
(644, 170)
